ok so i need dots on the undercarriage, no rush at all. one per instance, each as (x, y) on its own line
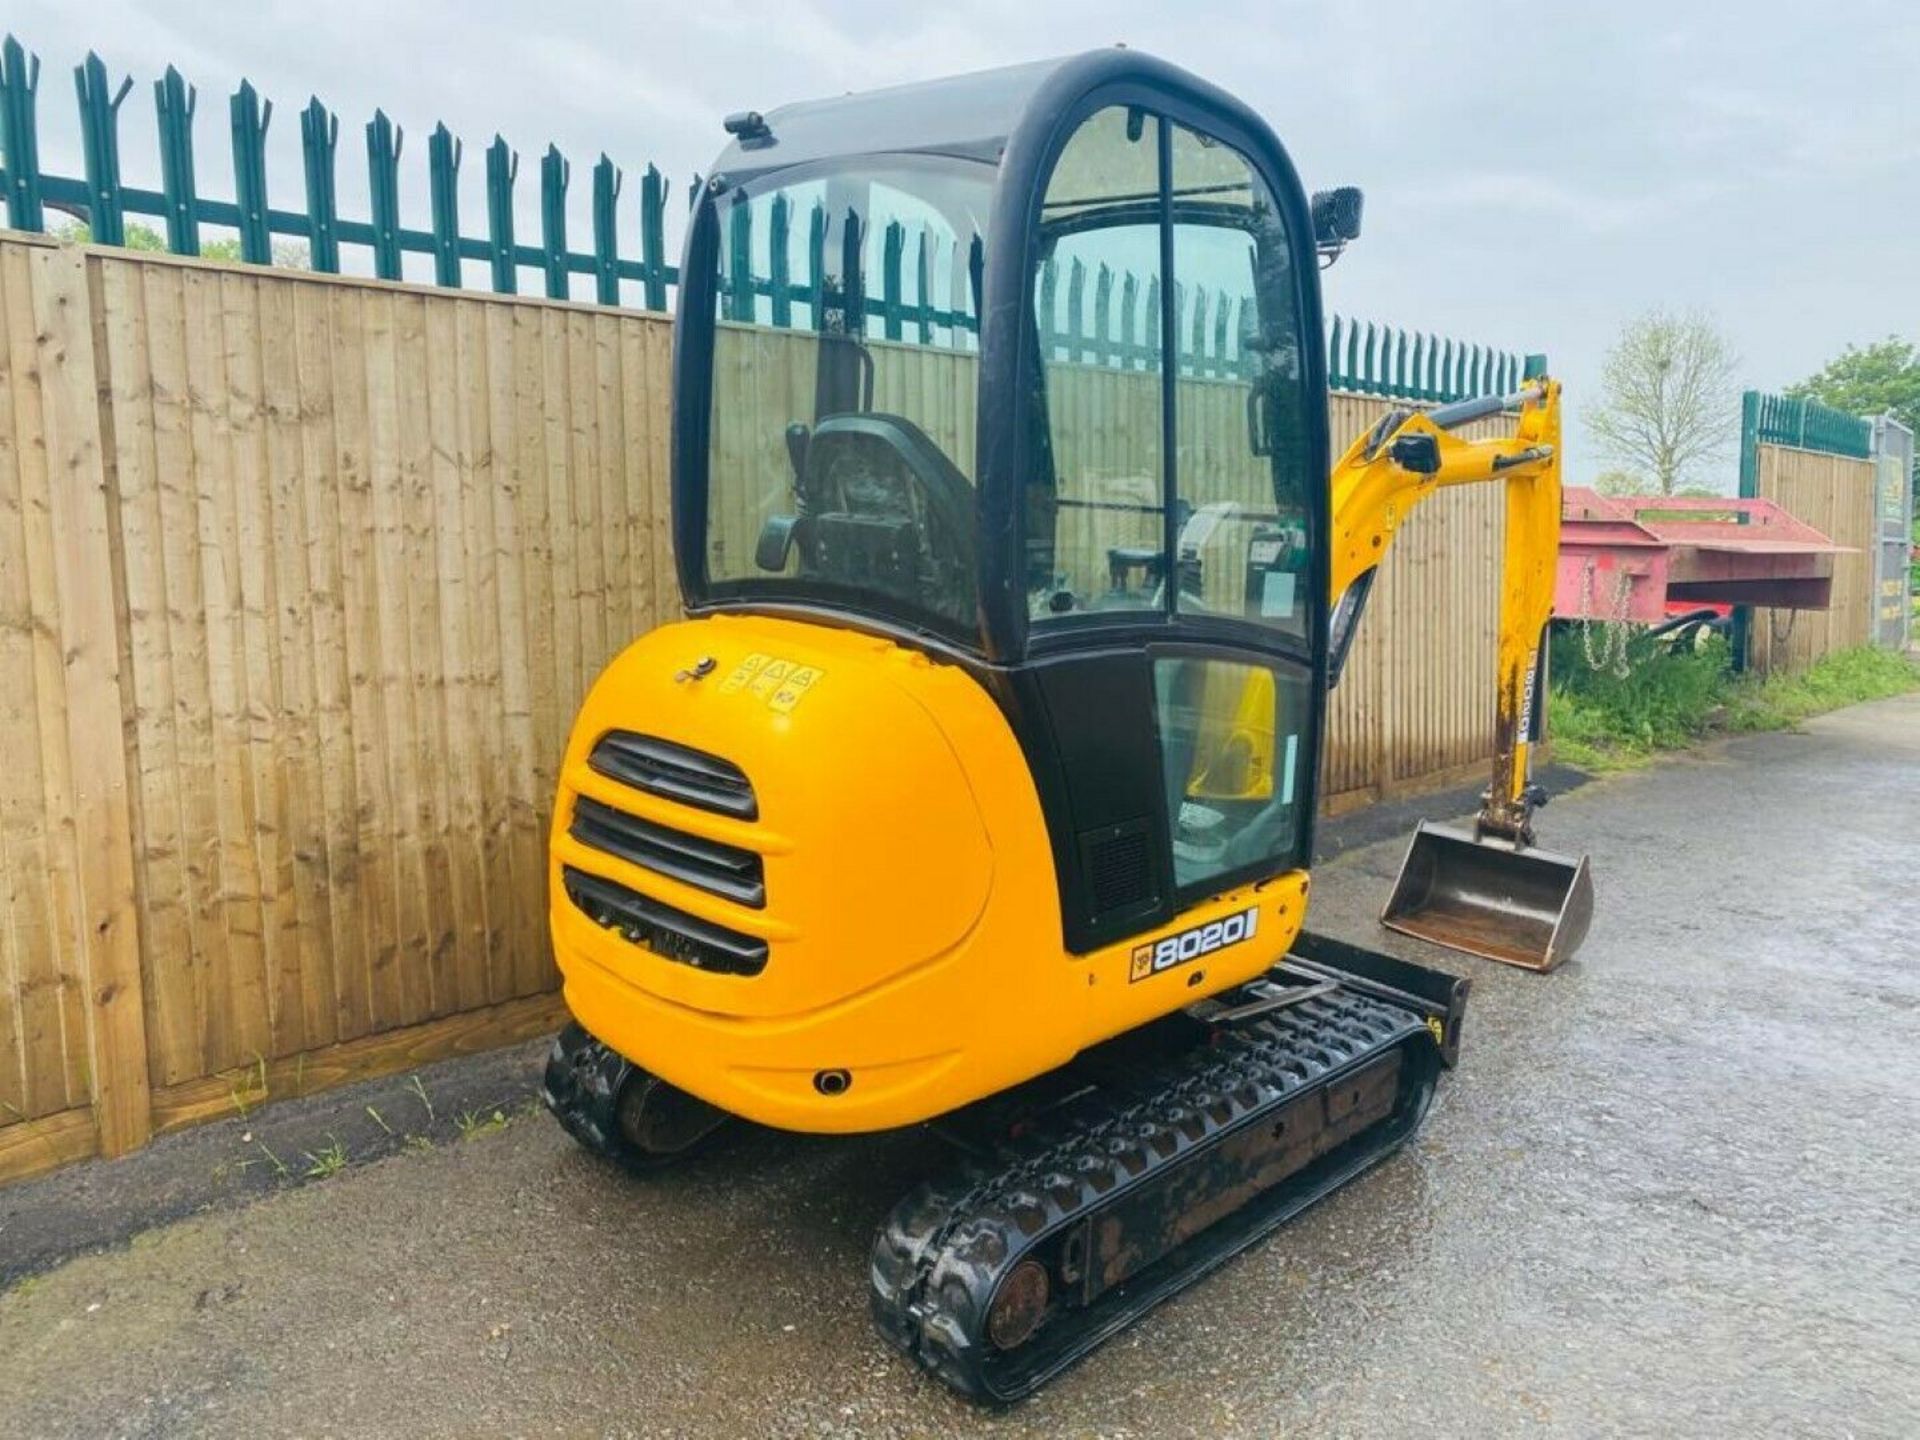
(1078, 1202)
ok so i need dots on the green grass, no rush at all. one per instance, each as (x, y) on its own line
(1600, 721)
(475, 1123)
(324, 1164)
(1846, 677)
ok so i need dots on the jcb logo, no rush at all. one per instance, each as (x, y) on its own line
(1191, 944)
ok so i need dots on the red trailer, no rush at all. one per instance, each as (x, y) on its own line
(1642, 558)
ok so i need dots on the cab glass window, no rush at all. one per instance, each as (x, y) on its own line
(1096, 506)
(841, 429)
(1233, 736)
(1244, 543)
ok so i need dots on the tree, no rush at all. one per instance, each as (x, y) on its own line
(287, 254)
(1620, 482)
(1872, 380)
(1668, 402)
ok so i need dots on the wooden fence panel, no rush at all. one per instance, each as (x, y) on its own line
(71, 1010)
(1836, 495)
(301, 582)
(377, 542)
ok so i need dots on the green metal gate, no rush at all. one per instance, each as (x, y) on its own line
(1893, 479)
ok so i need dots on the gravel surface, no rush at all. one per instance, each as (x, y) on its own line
(1672, 1190)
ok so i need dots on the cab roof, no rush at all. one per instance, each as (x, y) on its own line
(967, 116)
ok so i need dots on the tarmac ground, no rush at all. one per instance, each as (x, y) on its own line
(1673, 1189)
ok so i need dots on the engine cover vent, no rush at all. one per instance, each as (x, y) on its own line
(691, 859)
(669, 933)
(675, 772)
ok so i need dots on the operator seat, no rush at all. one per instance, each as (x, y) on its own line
(884, 508)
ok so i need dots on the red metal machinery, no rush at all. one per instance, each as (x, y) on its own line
(1642, 558)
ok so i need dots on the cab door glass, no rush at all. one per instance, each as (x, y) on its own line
(1095, 522)
(1244, 543)
(1233, 737)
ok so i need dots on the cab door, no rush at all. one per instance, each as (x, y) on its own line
(1173, 521)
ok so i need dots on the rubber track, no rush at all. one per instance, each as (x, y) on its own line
(942, 1252)
(582, 1088)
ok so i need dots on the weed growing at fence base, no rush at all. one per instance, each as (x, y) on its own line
(1667, 700)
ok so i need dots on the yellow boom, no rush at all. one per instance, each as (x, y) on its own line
(1489, 892)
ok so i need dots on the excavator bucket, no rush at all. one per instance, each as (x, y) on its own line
(1524, 907)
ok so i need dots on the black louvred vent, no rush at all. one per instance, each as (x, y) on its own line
(669, 933)
(1119, 867)
(691, 859)
(675, 772)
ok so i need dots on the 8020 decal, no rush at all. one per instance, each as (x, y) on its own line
(1193, 942)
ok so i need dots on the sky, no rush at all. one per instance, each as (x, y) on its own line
(1534, 179)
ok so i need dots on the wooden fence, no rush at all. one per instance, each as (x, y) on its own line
(301, 579)
(1837, 495)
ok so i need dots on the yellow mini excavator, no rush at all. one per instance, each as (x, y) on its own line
(978, 787)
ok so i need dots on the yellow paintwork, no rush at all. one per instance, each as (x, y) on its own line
(912, 914)
(1371, 498)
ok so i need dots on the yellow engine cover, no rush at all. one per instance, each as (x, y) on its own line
(911, 913)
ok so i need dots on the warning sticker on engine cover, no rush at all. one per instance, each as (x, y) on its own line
(793, 688)
(1193, 942)
(783, 684)
(738, 677)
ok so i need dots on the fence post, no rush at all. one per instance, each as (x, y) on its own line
(443, 190)
(892, 253)
(319, 140)
(1197, 334)
(1076, 309)
(923, 287)
(19, 83)
(555, 174)
(249, 118)
(100, 142)
(1049, 289)
(606, 237)
(503, 167)
(384, 140)
(1750, 403)
(174, 102)
(817, 263)
(779, 270)
(1102, 313)
(740, 263)
(653, 238)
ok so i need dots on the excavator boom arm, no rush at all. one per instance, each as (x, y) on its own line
(1409, 456)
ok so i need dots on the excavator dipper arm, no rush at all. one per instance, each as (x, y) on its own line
(1411, 455)
(1489, 893)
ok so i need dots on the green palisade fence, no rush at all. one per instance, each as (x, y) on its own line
(1804, 424)
(1105, 318)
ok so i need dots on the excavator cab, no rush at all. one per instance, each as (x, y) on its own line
(1123, 538)
(978, 784)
